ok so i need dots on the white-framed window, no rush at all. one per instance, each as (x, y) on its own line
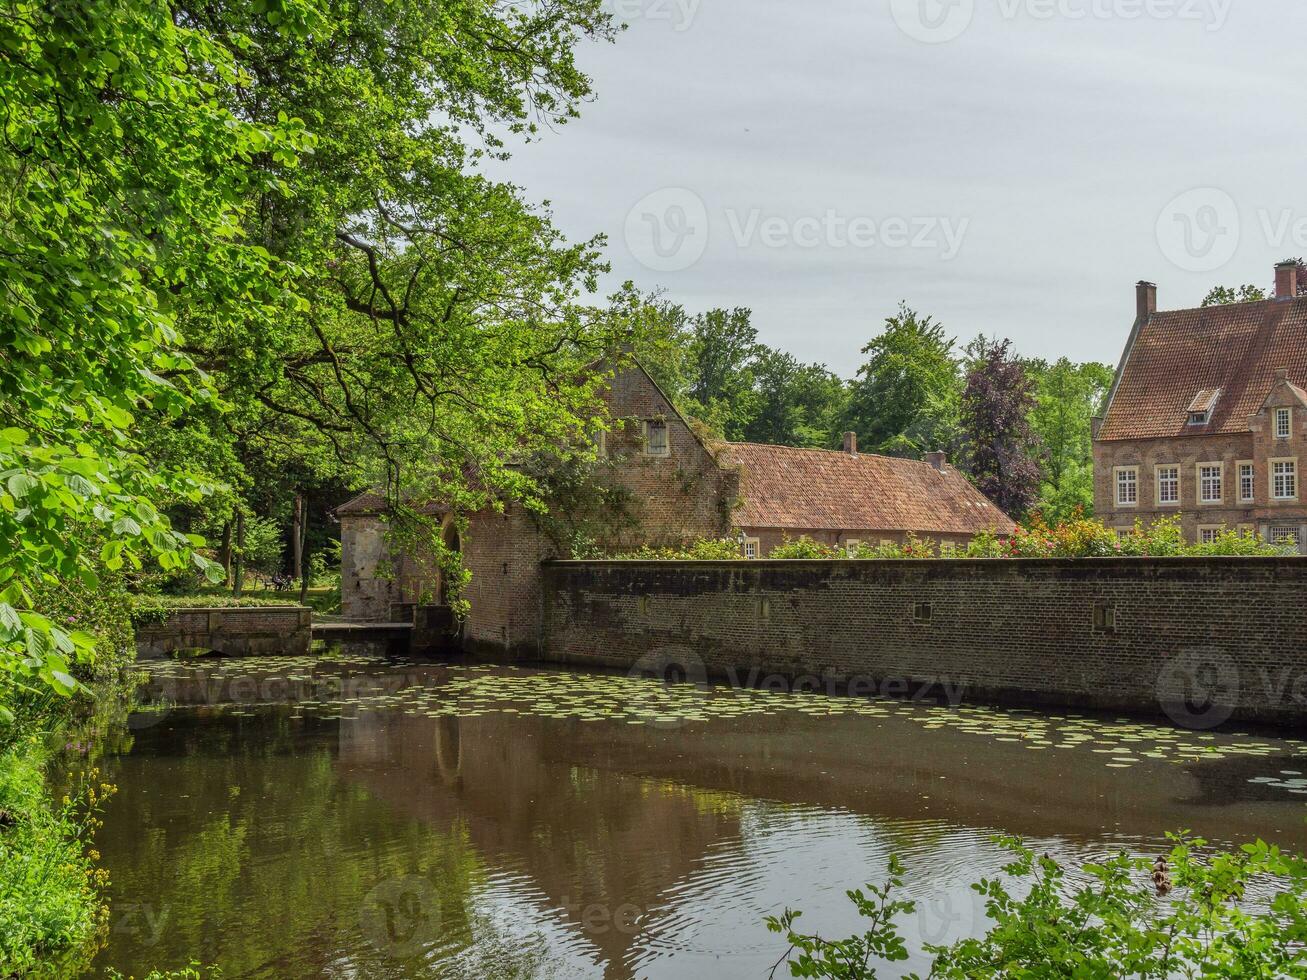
(1208, 533)
(1283, 423)
(1168, 485)
(1286, 535)
(1211, 488)
(948, 547)
(1127, 486)
(655, 438)
(851, 546)
(1123, 533)
(1247, 482)
(1284, 479)
(752, 547)
(1247, 531)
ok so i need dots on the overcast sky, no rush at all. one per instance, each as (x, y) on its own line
(1011, 167)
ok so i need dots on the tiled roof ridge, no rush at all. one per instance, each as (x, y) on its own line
(822, 449)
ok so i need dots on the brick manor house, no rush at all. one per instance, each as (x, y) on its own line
(679, 487)
(1207, 418)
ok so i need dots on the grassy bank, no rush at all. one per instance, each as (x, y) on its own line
(51, 893)
(50, 890)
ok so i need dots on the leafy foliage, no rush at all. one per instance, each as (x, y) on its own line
(1067, 397)
(716, 371)
(125, 177)
(1186, 914)
(904, 401)
(1000, 447)
(49, 889)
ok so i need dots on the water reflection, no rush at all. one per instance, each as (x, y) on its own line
(296, 818)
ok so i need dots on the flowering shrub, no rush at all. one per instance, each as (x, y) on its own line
(805, 548)
(705, 549)
(1079, 537)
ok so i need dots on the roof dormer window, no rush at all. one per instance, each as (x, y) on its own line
(1200, 409)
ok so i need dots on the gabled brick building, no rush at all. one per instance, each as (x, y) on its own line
(676, 487)
(1207, 418)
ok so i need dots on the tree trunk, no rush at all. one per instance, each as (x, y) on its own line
(224, 553)
(238, 569)
(297, 538)
(301, 547)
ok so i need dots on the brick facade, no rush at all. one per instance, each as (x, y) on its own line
(1138, 635)
(1259, 446)
(1206, 387)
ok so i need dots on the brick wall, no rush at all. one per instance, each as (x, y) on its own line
(1137, 635)
(236, 631)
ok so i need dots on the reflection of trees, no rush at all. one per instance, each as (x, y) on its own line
(268, 832)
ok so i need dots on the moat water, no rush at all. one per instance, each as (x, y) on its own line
(352, 816)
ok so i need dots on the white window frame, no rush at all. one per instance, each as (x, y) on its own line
(1208, 533)
(753, 545)
(667, 438)
(1123, 533)
(1246, 468)
(1285, 414)
(1247, 530)
(1203, 499)
(1157, 484)
(1291, 461)
(851, 546)
(1117, 484)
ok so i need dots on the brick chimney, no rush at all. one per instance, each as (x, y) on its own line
(851, 443)
(1286, 280)
(937, 460)
(1145, 299)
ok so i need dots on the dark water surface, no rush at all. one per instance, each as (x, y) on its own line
(351, 816)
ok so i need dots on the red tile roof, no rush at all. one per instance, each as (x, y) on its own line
(1177, 355)
(821, 489)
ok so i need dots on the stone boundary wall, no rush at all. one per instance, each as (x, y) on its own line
(231, 630)
(1201, 640)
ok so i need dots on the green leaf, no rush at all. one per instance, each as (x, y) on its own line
(21, 484)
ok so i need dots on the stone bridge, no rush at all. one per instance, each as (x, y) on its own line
(237, 631)
(291, 630)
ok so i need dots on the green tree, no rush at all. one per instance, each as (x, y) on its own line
(1225, 295)
(439, 330)
(904, 400)
(1067, 397)
(723, 347)
(126, 180)
(797, 404)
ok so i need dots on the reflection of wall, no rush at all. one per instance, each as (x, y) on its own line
(596, 846)
(1125, 634)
